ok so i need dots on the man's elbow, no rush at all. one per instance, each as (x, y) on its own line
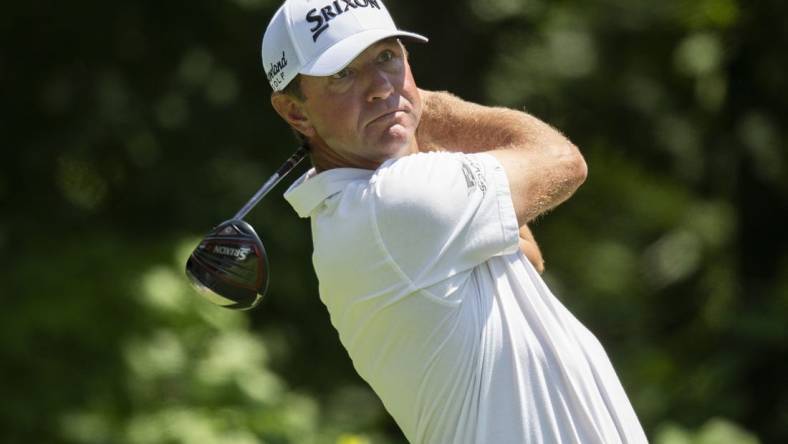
(574, 168)
(579, 168)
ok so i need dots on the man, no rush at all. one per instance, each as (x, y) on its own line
(419, 203)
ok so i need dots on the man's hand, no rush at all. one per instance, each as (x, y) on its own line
(531, 250)
(543, 167)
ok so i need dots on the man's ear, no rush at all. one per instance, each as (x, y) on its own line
(292, 110)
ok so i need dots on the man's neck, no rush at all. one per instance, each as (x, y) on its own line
(325, 158)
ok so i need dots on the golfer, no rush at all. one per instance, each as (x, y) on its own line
(418, 204)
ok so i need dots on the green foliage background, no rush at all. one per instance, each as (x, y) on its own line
(130, 128)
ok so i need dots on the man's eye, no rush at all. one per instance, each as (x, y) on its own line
(341, 74)
(386, 55)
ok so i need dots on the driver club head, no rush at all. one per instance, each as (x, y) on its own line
(230, 267)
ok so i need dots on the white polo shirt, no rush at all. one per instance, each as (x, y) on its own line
(419, 267)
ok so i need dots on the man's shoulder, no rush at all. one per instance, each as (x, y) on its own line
(309, 192)
(430, 159)
(432, 179)
(417, 187)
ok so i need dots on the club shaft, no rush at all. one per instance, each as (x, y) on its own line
(271, 183)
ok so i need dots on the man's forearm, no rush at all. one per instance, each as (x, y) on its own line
(449, 123)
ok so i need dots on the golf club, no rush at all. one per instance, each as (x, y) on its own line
(229, 267)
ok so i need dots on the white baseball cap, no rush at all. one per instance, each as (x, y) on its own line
(321, 37)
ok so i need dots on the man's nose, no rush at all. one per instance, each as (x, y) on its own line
(380, 86)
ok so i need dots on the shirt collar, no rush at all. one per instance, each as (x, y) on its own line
(311, 189)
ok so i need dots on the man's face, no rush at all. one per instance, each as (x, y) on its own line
(366, 113)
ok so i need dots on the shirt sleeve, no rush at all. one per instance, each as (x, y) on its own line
(439, 214)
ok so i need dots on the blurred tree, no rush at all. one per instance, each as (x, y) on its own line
(129, 129)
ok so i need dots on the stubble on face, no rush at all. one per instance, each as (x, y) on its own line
(365, 114)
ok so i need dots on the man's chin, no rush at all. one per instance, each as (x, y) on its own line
(396, 142)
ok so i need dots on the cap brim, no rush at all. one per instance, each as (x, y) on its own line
(338, 56)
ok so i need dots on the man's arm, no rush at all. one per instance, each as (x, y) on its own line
(543, 167)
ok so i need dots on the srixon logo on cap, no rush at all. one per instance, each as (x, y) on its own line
(329, 12)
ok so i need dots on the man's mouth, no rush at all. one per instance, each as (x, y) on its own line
(391, 114)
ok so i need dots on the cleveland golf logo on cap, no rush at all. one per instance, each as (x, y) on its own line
(331, 11)
(275, 69)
